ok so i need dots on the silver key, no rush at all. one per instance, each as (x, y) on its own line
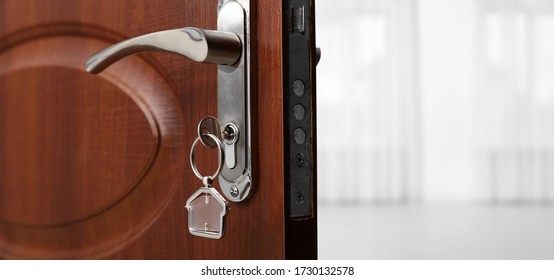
(209, 125)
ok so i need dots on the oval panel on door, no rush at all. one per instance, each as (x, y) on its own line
(115, 143)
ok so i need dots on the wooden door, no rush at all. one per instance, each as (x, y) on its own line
(96, 166)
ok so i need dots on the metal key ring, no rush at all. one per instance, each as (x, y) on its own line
(220, 159)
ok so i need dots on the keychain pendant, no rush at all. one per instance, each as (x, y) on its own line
(206, 213)
(207, 207)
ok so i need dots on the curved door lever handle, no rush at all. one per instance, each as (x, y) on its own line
(200, 45)
(230, 47)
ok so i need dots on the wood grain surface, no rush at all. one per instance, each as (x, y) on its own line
(97, 166)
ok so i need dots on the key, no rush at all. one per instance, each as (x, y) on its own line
(209, 125)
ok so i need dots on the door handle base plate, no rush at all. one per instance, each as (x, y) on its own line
(234, 100)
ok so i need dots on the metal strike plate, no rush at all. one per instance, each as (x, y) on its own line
(234, 101)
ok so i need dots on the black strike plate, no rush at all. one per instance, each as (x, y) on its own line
(300, 110)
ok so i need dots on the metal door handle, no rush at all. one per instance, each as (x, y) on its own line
(200, 45)
(229, 46)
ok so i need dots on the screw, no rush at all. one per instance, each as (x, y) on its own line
(300, 197)
(299, 160)
(234, 191)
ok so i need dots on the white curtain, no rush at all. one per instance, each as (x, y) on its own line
(436, 100)
(368, 101)
(515, 101)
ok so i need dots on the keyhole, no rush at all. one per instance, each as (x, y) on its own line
(230, 133)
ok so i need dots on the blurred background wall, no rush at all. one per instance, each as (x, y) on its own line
(436, 102)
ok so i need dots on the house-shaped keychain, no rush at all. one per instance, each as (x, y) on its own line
(206, 212)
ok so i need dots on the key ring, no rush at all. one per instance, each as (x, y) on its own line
(207, 180)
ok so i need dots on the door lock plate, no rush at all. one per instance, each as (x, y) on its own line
(234, 101)
(300, 110)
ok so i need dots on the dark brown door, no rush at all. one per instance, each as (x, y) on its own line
(96, 166)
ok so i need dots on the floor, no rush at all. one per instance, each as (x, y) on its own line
(436, 231)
